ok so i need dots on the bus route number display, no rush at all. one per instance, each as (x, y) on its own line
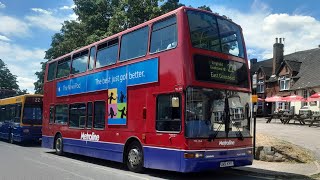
(218, 70)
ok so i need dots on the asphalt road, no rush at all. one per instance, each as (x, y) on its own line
(32, 162)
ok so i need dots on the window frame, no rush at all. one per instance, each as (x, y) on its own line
(94, 58)
(147, 45)
(151, 33)
(157, 112)
(284, 79)
(87, 114)
(260, 86)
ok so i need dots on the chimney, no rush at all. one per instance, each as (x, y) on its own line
(277, 54)
(253, 61)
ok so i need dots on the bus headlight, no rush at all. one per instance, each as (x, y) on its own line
(26, 130)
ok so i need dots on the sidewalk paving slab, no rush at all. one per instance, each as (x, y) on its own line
(277, 169)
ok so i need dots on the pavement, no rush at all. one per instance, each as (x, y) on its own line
(307, 137)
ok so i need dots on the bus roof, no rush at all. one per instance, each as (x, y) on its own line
(17, 99)
(135, 28)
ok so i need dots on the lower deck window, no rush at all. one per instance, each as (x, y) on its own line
(168, 113)
(99, 114)
(77, 115)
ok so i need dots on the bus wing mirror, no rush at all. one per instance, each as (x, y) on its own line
(175, 102)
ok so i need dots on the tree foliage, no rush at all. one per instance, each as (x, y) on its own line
(98, 19)
(8, 82)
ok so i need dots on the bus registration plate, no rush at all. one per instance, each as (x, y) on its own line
(226, 164)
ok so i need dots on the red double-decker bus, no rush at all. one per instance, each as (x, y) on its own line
(172, 93)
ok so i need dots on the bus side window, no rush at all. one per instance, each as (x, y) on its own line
(107, 53)
(134, 44)
(77, 115)
(61, 114)
(79, 62)
(2, 113)
(99, 114)
(168, 113)
(89, 115)
(17, 113)
(51, 116)
(164, 35)
(63, 68)
(91, 58)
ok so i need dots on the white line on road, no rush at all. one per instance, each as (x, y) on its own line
(95, 166)
(60, 169)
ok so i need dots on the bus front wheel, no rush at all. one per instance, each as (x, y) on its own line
(135, 157)
(59, 145)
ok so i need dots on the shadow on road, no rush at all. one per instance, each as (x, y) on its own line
(228, 173)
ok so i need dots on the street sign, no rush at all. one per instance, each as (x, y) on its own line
(254, 98)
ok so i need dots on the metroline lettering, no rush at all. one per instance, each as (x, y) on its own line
(227, 143)
(89, 137)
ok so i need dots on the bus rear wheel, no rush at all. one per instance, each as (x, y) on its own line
(135, 157)
(59, 145)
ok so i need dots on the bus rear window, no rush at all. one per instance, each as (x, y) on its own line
(212, 69)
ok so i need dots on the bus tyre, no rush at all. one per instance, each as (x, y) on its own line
(11, 138)
(135, 157)
(59, 145)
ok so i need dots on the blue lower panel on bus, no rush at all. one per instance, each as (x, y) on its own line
(103, 150)
(173, 160)
(27, 133)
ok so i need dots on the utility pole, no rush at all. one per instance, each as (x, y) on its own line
(254, 113)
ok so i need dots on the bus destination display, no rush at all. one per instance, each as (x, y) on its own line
(218, 70)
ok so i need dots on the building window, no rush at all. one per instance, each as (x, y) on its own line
(168, 113)
(284, 83)
(304, 95)
(260, 86)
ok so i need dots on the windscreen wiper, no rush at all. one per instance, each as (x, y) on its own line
(214, 135)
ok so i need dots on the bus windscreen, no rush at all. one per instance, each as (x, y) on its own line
(212, 69)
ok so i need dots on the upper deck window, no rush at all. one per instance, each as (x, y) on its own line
(63, 68)
(164, 35)
(79, 62)
(107, 53)
(134, 44)
(215, 34)
(51, 71)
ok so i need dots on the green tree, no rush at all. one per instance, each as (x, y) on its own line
(170, 5)
(206, 8)
(7, 79)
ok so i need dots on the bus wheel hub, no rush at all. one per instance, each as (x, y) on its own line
(134, 157)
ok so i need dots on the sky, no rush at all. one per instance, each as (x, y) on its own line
(26, 28)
